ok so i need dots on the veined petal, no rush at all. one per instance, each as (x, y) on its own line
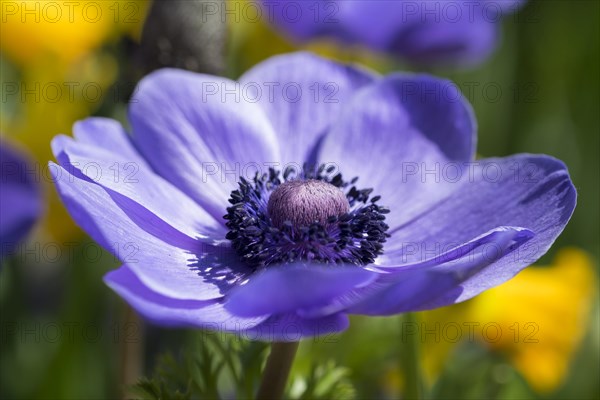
(444, 281)
(292, 328)
(207, 272)
(531, 192)
(421, 285)
(107, 134)
(423, 257)
(213, 315)
(169, 311)
(285, 289)
(201, 133)
(397, 134)
(156, 205)
(303, 95)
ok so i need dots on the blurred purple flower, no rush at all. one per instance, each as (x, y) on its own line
(20, 199)
(425, 32)
(292, 257)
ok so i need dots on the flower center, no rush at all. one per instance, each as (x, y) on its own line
(305, 202)
(314, 216)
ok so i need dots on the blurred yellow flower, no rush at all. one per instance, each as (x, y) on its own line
(61, 76)
(33, 30)
(66, 30)
(536, 320)
(545, 312)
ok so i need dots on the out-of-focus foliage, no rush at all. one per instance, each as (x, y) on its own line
(61, 329)
(218, 366)
(210, 366)
(322, 382)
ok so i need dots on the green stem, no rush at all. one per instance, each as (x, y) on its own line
(410, 357)
(131, 352)
(277, 370)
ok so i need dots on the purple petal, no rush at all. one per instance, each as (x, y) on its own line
(206, 272)
(298, 20)
(107, 134)
(285, 289)
(442, 280)
(20, 208)
(201, 133)
(211, 314)
(423, 285)
(503, 217)
(374, 24)
(531, 192)
(20, 199)
(303, 95)
(422, 31)
(159, 206)
(164, 310)
(528, 191)
(413, 256)
(464, 34)
(394, 133)
(292, 328)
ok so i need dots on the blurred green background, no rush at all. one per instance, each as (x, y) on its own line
(64, 334)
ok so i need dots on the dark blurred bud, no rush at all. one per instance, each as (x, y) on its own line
(185, 34)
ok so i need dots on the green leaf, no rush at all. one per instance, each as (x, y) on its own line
(326, 381)
(212, 367)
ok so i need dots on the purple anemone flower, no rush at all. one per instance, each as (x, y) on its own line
(20, 199)
(425, 32)
(308, 190)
